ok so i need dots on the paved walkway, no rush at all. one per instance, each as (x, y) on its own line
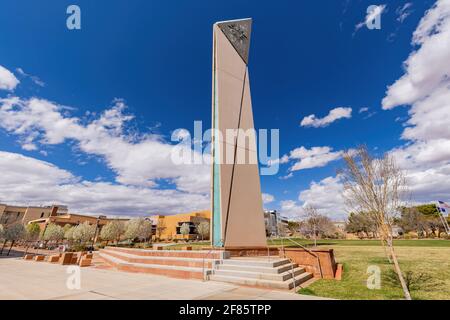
(21, 279)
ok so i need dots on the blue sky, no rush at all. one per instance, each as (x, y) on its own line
(151, 60)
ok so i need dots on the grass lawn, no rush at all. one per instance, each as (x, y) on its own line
(428, 256)
(433, 260)
(364, 243)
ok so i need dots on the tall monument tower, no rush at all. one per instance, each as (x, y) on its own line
(237, 212)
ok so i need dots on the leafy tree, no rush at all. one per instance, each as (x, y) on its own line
(53, 232)
(13, 233)
(293, 226)
(83, 232)
(422, 219)
(203, 229)
(138, 228)
(428, 210)
(112, 231)
(361, 223)
(68, 233)
(33, 230)
(185, 229)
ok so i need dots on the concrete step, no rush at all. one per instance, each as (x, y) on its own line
(287, 284)
(215, 254)
(165, 270)
(161, 260)
(256, 262)
(261, 275)
(250, 268)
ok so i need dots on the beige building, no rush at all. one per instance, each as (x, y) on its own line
(22, 214)
(168, 227)
(74, 220)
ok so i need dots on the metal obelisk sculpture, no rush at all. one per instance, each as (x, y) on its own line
(237, 212)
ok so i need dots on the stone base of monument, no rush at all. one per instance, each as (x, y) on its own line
(249, 251)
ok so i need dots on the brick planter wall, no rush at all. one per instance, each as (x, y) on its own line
(305, 258)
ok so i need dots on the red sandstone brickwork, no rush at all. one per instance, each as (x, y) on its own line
(305, 258)
(162, 261)
(168, 253)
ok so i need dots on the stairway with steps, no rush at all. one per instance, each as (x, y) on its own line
(273, 272)
(276, 273)
(173, 263)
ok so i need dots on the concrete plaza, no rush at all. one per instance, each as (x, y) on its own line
(44, 281)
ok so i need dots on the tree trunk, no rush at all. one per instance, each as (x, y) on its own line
(384, 245)
(12, 243)
(26, 249)
(4, 244)
(399, 272)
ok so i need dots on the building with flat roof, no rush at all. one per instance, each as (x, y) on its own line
(168, 227)
(276, 225)
(74, 219)
(24, 214)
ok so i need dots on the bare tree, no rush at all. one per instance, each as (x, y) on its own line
(316, 225)
(282, 229)
(160, 227)
(376, 186)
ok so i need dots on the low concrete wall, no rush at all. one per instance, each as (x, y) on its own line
(305, 258)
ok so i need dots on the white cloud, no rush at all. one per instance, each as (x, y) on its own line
(426, 69)
(267, 198)
(363, 109)
(404, 12)
(137, 159)
(312, 158)
(325, 196)
(7, 79)
(426, 155)
(30, 181)
(288, 176)
(425, 86)
(35, 79)
(333, 115)
(371, 16)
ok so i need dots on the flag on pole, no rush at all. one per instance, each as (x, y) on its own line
(443, 207)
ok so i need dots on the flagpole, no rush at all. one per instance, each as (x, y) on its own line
(443, 219)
